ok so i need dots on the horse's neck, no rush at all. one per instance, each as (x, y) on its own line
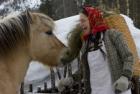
(12, 71)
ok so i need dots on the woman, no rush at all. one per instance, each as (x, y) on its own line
(104, 53)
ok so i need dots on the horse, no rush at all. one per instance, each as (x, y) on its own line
(25, 37)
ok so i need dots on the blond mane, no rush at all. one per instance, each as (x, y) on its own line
(13, 31)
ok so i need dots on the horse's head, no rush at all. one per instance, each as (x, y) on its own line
(32, 33)
(44, 46)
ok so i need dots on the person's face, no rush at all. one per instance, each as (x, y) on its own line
(84, 23)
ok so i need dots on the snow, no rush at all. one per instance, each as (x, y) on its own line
(1, 6)
(64, 26)
(134, 31)
(37, 73)
(36, 68)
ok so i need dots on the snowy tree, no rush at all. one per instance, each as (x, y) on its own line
(8, 6)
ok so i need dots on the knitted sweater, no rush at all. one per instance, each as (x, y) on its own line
(119, 56)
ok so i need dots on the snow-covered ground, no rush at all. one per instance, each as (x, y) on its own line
(37, 73)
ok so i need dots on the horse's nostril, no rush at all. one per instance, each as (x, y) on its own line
(64, 61)
(49, 32)
(61, 63)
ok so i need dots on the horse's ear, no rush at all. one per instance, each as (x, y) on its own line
(29, 16)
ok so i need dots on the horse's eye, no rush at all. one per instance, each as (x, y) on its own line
(49, 32)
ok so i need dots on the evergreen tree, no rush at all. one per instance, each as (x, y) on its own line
(46, 7)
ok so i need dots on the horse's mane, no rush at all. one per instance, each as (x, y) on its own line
(14, 31)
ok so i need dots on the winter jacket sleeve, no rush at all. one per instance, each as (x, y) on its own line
(124, 53)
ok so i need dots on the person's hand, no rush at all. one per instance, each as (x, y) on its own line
(63, 83)
(121, 84)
